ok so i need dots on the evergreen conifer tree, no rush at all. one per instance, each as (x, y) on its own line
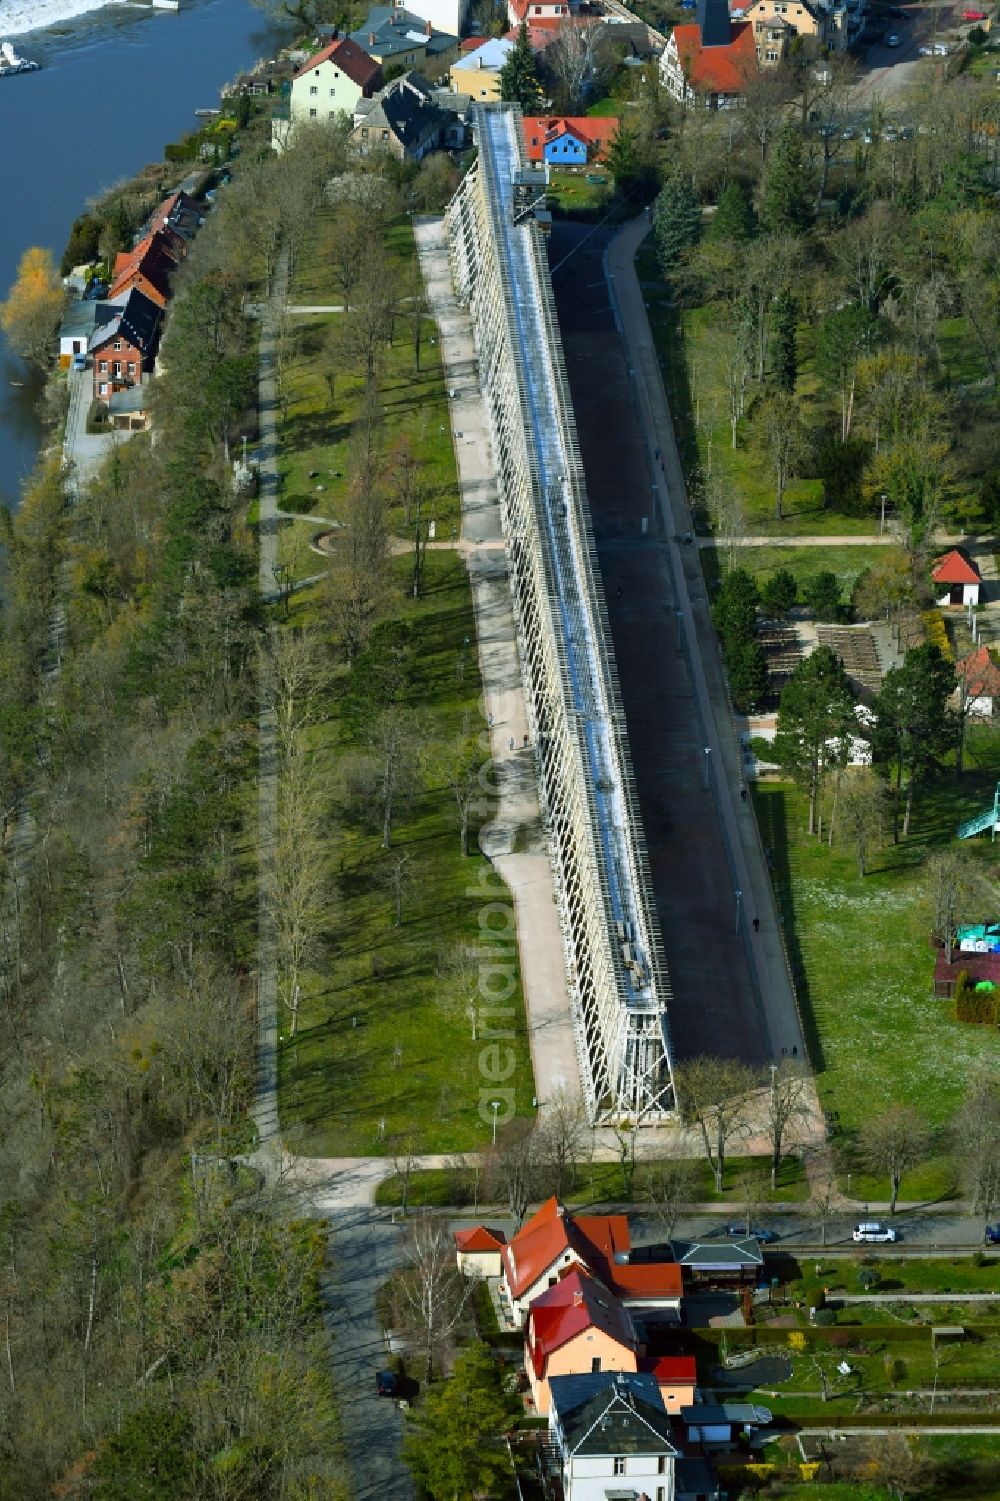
(786, 201)
(518, 79)
(784, 353)
(733, 217)
(676, 221)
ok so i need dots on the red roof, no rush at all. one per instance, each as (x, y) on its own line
(595, 131)
(683, 1369)
(351, 59)
(575, 1304)
(544, 29)
(717, 70)
(647, 1279)
(594, 1239)
(472, 43)
(154, 258)
(479, 1238)
(956, 568)
(979, 674)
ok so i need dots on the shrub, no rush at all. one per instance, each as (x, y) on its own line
(935, 633)
(979, 1006)
(97, 417)
(824, 1318)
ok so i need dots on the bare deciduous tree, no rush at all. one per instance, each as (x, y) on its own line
(716, 1094)
(578, 61)
(892, 1143)
(953, 884)
(669, 1186)
(787, 1106)
(435, 1293)
(563, 1133)
(824, 1198)
(303, 894)
(512, 1167)
(862, 809)
(976, 1134)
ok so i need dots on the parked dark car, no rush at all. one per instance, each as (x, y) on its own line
(757, 1232)
(992, 1235)
(386, 1383)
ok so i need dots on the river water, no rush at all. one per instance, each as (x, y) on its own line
(115, 86)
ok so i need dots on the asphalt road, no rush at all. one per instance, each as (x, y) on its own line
(918, 1231)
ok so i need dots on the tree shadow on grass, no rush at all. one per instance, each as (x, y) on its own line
(772, 814)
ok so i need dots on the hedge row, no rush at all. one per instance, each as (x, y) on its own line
(893, 1420)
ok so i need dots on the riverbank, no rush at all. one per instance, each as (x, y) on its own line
(68, 155)
(23, 16)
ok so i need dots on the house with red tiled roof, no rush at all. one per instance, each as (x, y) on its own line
(478, 1251)
(677, 1378)
(554, 1241)
(332, 82)
(978, 683)
(576, 1327)
(568, 140)
(956, 579)
(711, 62)
(148, 267)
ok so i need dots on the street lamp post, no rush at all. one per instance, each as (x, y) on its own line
(881, 527)
(739, 911)
(707, 765)
(494, 1106)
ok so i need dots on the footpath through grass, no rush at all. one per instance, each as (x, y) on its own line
(323, 399)
(861, 955)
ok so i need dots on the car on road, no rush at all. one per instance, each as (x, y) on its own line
(386, 1384)
(873, 1231)
(991, 1235)
(79, 362)
(973, 15)
(892, 40)
(757, 1232)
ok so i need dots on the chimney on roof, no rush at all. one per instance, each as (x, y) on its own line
(371, 39)
(578, 1299)
(428, 28)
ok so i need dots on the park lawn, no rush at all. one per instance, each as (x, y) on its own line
(602, 1183)
(568, 190)
(315, 438)
(374, 1042)
(860, 954)
(848, 563)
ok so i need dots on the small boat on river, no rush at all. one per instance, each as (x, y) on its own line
(10, 63)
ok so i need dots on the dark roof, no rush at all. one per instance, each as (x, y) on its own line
(138, 320)
(714, 1415)
(571, 1392)
(694, 1477)
(389, 31)
(618, 1419)
(132, 399)
(406, 107)
(84, 316)
(713, 23)
(719, 1255)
